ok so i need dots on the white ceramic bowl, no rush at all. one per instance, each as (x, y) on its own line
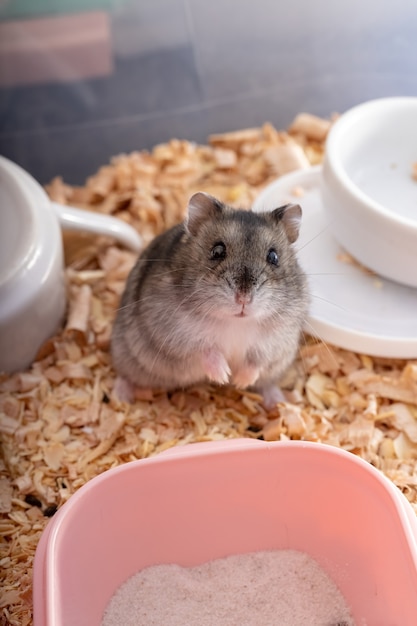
(368, 191)
(346, 302)
(32, 288)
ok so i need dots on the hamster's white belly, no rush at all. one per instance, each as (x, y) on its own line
(235, 337)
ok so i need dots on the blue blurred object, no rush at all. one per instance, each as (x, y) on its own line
(188, 68)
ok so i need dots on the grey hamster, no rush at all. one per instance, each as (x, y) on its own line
(219, 297)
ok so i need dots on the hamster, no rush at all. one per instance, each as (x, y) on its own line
(220, 297)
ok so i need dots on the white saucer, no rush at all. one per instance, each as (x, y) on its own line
(350, 308)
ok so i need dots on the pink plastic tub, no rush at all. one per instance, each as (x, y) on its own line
(206, 501)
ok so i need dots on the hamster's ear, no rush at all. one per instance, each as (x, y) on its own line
(201, 207)
(290, 217)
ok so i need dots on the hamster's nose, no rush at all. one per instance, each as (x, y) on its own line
(242, 297)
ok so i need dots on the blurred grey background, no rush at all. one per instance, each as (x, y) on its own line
(82, 80)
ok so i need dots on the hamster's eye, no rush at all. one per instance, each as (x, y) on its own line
(272, 257)
(218, 251)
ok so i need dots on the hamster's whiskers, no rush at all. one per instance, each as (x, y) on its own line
(338, 306)
(323, 230)
(317, 335)
(189, 283)
(325, 273)
(134, 303)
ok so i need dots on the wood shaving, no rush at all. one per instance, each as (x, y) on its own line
(6, 495)
(79, 311)
(311, 126)
(346, 257)
(60, 424)
(285, 157)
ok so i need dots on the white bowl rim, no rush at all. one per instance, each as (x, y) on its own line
(333, 162)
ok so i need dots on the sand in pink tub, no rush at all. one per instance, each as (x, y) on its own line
(271, 588)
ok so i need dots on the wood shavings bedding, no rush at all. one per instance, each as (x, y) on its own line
(60, 425)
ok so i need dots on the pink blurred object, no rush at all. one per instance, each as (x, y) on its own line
(204, 501)
(55, 49)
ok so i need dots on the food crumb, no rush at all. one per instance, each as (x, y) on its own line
(298, 192)
(32, 500)
(50, 510)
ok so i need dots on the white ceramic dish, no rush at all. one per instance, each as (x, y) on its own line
(368, 189)
(32, 288)
(349, 308)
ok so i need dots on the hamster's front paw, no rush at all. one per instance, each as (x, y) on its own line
(215, 366)
(246, 376)
(124, 390)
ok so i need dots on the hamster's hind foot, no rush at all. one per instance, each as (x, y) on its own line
(124, 390)
(271, 395)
